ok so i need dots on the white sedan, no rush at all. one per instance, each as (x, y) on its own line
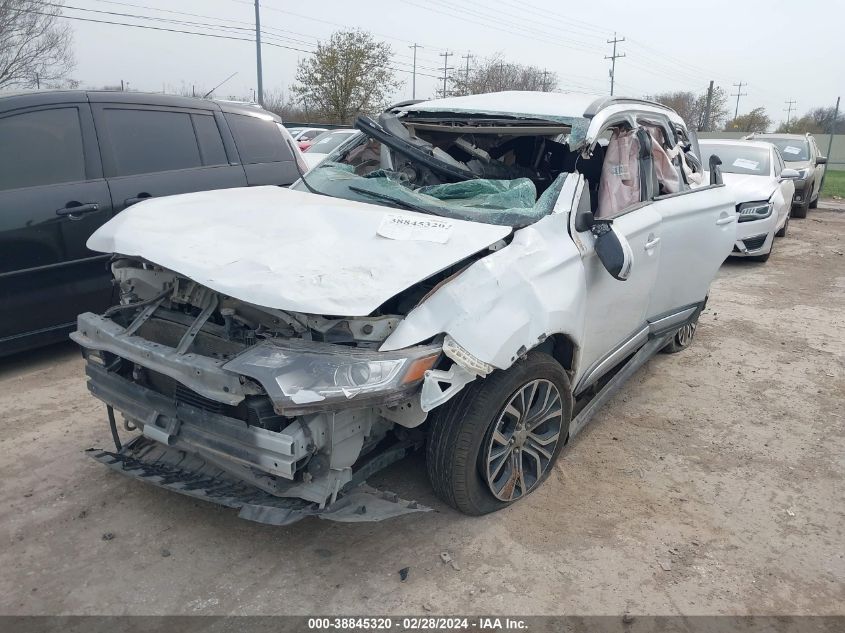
(764, 188)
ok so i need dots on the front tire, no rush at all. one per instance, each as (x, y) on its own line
(499, 438)
(784, 229)
(801, 210)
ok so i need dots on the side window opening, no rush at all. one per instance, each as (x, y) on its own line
(620, 179)
(210, 141)
(259, 140)
(43, 147)
(148, 141)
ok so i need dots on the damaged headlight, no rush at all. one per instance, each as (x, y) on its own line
(304, 375)
(749, 211)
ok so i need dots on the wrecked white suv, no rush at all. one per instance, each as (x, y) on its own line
(475, 275)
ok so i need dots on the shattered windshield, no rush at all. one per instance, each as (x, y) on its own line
(484, 172)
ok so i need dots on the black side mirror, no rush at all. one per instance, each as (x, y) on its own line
(821, 160)
(612, 249)
(715, 170)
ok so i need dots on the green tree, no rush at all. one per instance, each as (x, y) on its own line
(755, 121)
(35, 50)
(347, 75)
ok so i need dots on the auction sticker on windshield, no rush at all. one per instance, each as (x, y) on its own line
(744, 163)
(791, 150)
(408, 228)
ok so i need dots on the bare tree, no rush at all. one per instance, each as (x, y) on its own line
(692, 107)
(815, 121)
(495, 73)
(347, 75)
(755, 121)
(35, 49)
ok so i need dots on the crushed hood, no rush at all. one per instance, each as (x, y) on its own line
(293, 250)
(750, 188)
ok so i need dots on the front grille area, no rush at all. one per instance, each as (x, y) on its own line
(254, 410)
(183, 395)
(753, 243)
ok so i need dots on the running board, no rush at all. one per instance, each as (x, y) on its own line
(614, 384)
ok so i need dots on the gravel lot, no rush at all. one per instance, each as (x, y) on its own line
(712, 483)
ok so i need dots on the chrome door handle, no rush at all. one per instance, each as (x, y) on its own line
(74, 210)
(725, 219)
(652, 243)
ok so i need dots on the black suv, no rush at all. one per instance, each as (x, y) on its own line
(71, 160)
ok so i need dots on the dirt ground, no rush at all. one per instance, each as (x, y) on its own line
(714, 483)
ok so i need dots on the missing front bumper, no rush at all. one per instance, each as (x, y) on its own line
(190, 475)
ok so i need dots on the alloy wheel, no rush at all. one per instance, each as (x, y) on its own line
(685, 334)
(524, 439)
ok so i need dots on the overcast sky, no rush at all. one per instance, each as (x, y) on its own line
(781, 50)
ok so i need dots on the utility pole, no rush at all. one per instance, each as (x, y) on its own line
(414, 80)
(705, 126)
(545, 74)
(613, 59)
(258, 54)
(739, 93)
(790, 103)
(446, 69)
(467, 57)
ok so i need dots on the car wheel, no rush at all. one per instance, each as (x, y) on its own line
(801, 210)
(784, 228)
(498, 439)
(815, 203)
(682, 339)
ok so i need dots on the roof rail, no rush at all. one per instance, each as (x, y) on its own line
(604, 102)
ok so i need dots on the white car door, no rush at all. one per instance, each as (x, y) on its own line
(698, 231)
(784, 192)
(615, 311)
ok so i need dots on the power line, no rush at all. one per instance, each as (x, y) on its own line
(613, 59)
(200, 34)
(739, 93)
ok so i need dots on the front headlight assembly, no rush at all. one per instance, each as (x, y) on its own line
(749, 211)
(306, 376)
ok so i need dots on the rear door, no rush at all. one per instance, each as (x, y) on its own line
(263, 147)
(52, 197)
(698, 233)
(155, 150)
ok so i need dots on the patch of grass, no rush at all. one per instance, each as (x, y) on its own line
(834, 184)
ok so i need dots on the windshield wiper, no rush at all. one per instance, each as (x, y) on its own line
(397, 201)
